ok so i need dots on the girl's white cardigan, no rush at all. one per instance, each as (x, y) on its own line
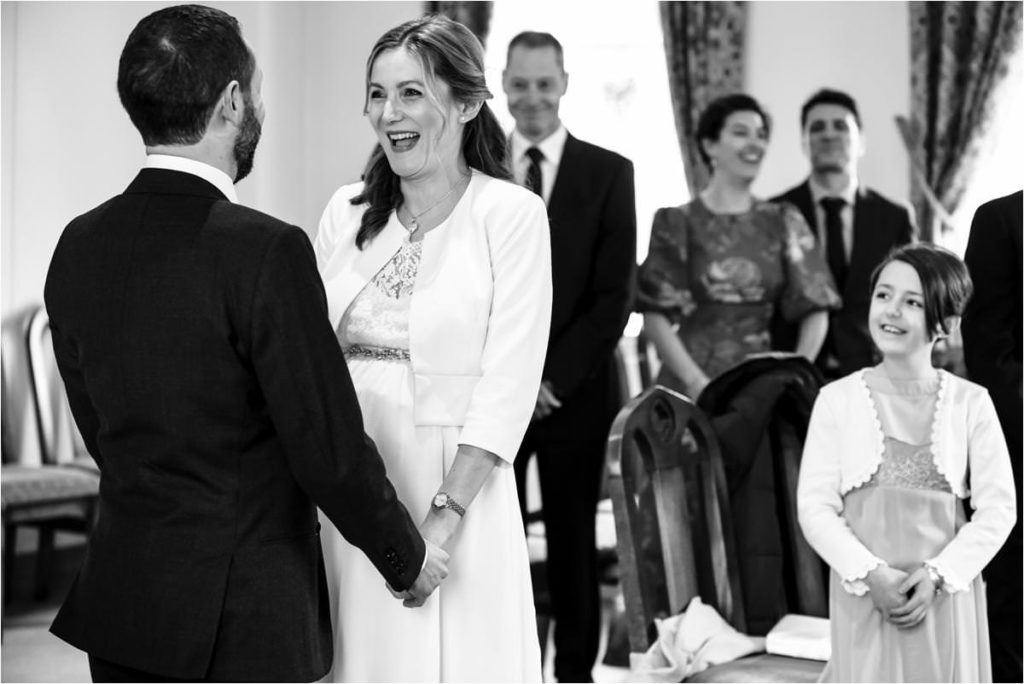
(844, 449)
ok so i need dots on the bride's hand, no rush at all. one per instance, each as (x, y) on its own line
(435, 569)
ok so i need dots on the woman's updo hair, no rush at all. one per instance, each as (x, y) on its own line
(712, 119)
(450, 53)
(945, 281)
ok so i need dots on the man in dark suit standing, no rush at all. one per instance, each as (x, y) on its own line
(193, 340)
(856, 227)
(591, 208)
(993, 353)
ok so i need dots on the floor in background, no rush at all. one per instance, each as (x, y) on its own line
(31, 654)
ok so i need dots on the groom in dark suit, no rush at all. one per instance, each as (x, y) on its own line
(193, 340)
(856, 227)
(591, 209)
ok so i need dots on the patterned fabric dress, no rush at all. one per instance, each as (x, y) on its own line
(480, 625)
(721, 277)
(905, 514)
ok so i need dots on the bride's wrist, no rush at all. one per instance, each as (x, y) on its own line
(440, 525)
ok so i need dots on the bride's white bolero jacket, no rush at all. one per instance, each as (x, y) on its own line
(480, 311)
(844, 448)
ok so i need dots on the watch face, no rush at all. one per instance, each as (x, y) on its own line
(440, 500)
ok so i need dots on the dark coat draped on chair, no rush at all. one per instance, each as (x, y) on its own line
(759, 412)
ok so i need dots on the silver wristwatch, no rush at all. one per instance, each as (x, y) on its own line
(937, 579)
(442, 500)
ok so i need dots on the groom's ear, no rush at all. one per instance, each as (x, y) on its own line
(230, 107)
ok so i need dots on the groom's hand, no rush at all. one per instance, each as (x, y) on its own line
(435, 570)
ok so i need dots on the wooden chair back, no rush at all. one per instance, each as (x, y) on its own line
(671, 508)
(61, 442)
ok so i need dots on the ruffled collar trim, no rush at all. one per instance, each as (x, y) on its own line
(872, 463)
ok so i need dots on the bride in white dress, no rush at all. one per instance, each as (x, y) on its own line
(438, 277)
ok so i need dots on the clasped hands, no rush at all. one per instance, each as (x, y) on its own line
(436, 530)
(902, 598)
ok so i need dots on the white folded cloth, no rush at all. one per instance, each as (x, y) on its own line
(800, 636)
(689, 643)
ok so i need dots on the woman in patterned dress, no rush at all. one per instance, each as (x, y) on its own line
(720, 266)
(438, 277)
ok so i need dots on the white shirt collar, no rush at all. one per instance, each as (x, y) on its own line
(849, 193)
(551, 146)
(211, 174)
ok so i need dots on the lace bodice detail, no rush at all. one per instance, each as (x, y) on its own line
(908, 466)
(906, 411)
(379, 315)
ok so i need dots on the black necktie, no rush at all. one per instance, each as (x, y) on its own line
(534, 179)
(834, 248)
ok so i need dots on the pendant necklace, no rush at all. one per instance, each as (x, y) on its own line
(414, 223)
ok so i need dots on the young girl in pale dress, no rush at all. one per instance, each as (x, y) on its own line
(891, 454)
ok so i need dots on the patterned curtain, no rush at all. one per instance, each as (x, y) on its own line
(704, 50)
(960, 53)
(475, 15)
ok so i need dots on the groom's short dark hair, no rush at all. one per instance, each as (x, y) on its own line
(174, 66)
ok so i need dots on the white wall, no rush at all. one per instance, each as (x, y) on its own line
(68, 145)
(795, 48)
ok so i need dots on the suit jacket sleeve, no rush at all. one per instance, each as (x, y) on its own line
(989, 320)
(591, 337)
(84, 412)
(992, 498)
(517, 329)
(820, 503)
(313, 406)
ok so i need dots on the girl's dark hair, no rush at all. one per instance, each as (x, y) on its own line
(944, 278)
(712, 119)
(452, 54)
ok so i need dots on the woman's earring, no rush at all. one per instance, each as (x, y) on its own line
(462, 119)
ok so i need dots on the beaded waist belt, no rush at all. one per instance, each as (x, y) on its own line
(359, 351)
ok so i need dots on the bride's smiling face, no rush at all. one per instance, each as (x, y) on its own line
(415, 118)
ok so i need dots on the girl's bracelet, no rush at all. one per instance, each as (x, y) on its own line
(936, 578)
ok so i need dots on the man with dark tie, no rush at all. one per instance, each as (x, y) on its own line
(591, 208)
(993, 351)
(856, 227)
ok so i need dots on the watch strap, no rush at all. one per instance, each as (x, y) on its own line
(451, 503)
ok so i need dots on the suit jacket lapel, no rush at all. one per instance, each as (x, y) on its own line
(568, 173)
(863, 235)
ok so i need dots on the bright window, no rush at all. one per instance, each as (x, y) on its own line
(1000, 168)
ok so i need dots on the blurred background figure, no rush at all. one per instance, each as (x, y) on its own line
(992, 351)
(721, 266)
(591, 207)
(855, 226)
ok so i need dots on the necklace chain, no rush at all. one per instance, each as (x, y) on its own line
(414, 223)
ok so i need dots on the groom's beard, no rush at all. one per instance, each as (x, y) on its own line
(248, 138)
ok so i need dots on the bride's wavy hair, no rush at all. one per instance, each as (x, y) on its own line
(449, 52)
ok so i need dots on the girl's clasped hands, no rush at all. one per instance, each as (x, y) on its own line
(902, 598)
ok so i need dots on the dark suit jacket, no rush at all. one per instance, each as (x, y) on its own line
(878, 225)
(592, 213)
(992, 323)
(193, 340)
